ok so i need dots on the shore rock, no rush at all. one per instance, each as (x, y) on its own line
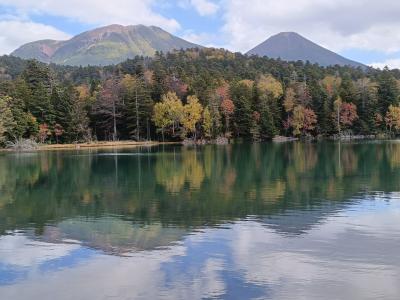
(284, 139)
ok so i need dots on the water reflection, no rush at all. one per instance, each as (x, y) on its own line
(287, 221)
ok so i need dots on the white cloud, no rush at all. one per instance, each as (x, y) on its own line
(137, 275)
(338, 25)
(204, 38)
(97, 12)
(14, 33)
(204, 7)
(18, 250)
(391, 63)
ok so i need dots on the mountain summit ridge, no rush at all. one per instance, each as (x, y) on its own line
(115, 43)
(291, 46)
(103, 46)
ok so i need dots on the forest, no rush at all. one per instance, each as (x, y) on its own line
(195, 94)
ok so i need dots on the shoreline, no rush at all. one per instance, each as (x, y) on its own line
(103, 145)
(94, 145)
(133, 144)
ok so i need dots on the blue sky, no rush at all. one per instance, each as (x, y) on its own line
(364, 30)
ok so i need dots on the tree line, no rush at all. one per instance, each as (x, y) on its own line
(194, 94)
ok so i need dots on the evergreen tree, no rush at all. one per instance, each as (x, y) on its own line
(139, 106)
(242, 97)
(7, 122)
(388, 91)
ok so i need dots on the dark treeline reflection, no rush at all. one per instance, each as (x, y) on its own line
(188, 187)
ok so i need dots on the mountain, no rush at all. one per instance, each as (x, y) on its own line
(291, 46)
(104, 46)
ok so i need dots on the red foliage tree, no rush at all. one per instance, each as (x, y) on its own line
(222, 92)
(176, 85)
(256, 116)
(310, 119)
(44, 132)
(227, 108)
(348, 114)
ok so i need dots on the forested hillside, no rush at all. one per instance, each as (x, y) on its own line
(196, 94)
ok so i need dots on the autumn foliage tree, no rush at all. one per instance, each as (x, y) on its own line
(348, 114)
(175, 109)
(345, 114)
(161, 117)
(392, 118)
(192, 113)
(44, 132)
(227, 108)
(303, 120)
(168, 113)
(269, 85)
(119, 101)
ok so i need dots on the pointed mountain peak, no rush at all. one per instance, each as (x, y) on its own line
(291, 46)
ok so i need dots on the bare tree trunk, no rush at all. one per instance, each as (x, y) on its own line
(148, 129)
(115, 123)
(227, 126)
(137, 117)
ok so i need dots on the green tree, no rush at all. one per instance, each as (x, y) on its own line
(139, 105)
(388, 91)
(242, 97)
(7, 123)
(108, 109)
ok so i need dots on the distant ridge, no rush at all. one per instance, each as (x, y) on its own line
(291, 46)
(104, 46)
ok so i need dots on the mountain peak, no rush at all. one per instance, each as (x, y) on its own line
(104, 45)
(288, 34)
(291, 46)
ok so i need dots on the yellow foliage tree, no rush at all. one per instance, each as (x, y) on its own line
(331, 84)
(161, 117)
(304, 119)
(392, 118)
(175, 109)
(269, 85)
(192, 113)
(289, 101)
(247, 82)
(83, 92)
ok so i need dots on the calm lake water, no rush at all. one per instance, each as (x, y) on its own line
(267, 221)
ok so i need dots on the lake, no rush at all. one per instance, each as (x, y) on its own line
(261, 221)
